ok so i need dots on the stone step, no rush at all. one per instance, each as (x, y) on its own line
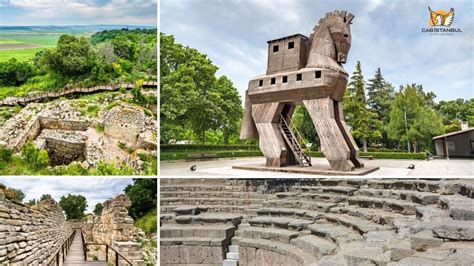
(358, 253)
(288, 212)
(194, 241)
(315, 245)
(358, 224)
(423, 198)
(313, 196)
(213, 208)
(208, 201)
(213, 194)
(205, 188)
(427, 213)
(192, 230)
(232, 255)
(335, 233)
(460, 207)
(233, 248)
(280, 222)
(393, 205)
(374, 215)
(447, 229)
(299, 204)
(274, 234)
(295, 253)
(186, 210)
(230, 262)
(210, 218)
(433, 186)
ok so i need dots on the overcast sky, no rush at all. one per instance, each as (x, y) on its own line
(77, 12)
(94, 189)
(385, 34)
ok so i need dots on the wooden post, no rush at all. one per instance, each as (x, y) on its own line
(116, 258)
(445, 146)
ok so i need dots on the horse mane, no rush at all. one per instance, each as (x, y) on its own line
(347, 18)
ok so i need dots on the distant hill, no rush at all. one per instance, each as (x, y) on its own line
(69, 29)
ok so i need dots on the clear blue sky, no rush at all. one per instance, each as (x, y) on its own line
(77, 12)
(385, 34)
(94, 189)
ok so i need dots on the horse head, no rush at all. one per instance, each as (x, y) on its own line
(331, 38)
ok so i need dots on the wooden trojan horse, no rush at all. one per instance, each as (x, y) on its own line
(306, 71)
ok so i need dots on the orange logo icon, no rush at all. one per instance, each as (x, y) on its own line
(441, 18)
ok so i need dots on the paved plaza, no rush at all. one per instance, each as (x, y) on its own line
(388, 167)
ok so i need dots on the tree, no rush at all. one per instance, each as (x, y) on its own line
(45, 197)
(98, 208)
(14, 73)
(73, 206)
(19, 195)
(72, 56)
(142, 193)
(457, 109)
(192, 98)
(357, 115)
(124, 48)
(231, 106)
(32, 202)
(304, 124)
(380, 95)
(412, 120)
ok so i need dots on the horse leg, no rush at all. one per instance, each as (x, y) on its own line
(339, 115)
(333, 144)
(271, 143)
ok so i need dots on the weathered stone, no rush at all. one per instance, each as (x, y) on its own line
(425, 240)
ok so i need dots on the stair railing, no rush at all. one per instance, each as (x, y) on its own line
(298, 135)
(62, 251)
(294, 143)
(117, 255)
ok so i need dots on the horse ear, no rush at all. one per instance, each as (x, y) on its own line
(349, 18)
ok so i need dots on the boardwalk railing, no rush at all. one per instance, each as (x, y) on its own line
(117, 254)
(71, 91)
(63, 250)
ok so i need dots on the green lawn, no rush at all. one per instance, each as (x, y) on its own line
(20, 54)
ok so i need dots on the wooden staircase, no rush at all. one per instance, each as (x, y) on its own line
(292, 141)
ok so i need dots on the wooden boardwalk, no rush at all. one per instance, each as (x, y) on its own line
(75, 255)
(12, 101)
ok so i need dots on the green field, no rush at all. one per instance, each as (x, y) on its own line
(43, 39)
(20, 54)
(7, 41)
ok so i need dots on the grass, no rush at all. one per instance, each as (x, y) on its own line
(6, 41)
(19, 54)
(43, 39)
(148, 223)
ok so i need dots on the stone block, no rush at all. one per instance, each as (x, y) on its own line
(425, 240)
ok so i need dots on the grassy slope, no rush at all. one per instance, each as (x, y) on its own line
(148, 223)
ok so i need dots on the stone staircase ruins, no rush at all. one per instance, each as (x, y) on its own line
(317, 222)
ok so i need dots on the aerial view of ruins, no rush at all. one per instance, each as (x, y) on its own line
(78, 100)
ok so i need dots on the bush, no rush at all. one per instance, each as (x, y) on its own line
(148, 223)
(168, 156)
(14, 73)
(5, 154)
(203, 148)
(35, 157)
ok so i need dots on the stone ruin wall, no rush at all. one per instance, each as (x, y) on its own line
(114, 224)
(30, 235)
(113, 227)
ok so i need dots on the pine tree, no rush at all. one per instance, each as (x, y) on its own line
(380, 95)
(358, 117)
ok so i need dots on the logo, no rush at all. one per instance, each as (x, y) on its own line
(441, 18)
(440, 22)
